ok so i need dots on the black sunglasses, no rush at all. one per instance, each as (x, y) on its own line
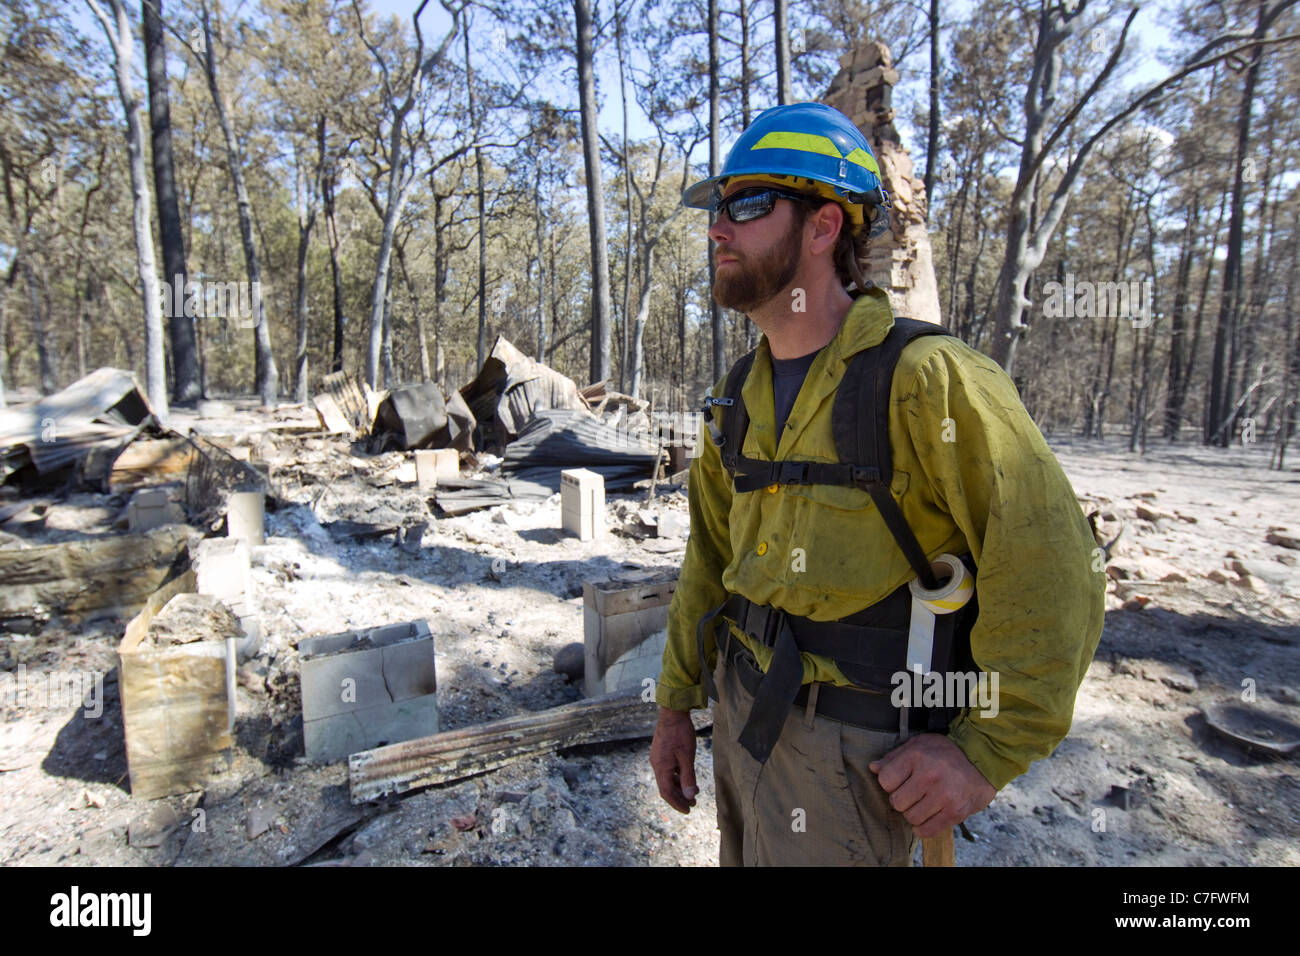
(756, 202)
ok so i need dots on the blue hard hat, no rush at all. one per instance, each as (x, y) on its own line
(802, 141)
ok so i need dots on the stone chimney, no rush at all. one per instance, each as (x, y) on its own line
(901, 260)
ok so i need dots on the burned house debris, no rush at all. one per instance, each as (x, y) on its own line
(184, 539)
(292, 617)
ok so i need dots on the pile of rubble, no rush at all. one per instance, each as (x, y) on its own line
(160, 530)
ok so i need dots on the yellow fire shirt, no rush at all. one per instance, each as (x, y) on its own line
(972, 473)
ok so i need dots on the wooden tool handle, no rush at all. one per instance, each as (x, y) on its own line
(938, 851)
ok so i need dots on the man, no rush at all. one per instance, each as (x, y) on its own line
(812, 762)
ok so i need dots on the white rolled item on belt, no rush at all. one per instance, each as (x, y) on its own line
(951, 596)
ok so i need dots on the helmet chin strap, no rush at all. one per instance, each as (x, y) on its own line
(855, 271)
(877, 224)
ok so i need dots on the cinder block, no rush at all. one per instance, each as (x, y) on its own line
(362, 689)
(244, 517)
(336, 738)
(426, 469)
(582, 503)
(150, 498)
(672, 524)
(643, 661)
(151, 508)
(447, 461)
(618, 617)
(221, 569)
(434, 464)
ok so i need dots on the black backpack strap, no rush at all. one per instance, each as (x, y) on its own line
(755, 473)
(860, 426)
(729, 436)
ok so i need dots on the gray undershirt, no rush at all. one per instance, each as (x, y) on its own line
(787, 380)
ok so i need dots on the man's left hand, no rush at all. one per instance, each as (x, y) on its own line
(932, 784)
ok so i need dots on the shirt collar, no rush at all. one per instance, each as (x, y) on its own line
(865, 326)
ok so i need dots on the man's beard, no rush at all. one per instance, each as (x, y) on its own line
(748, 285)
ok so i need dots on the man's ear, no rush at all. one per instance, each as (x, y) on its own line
(826, 223)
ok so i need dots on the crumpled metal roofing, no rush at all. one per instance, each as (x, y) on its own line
(104, 407)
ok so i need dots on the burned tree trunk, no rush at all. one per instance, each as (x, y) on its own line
(601, 306)
(1218, 416)
(186, 387)
(267, 379)
(121, 38)
(716, 325)
(336, 275)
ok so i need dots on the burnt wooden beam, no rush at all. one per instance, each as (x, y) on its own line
(456, 754)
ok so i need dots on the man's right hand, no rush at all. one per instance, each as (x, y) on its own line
(672, 757)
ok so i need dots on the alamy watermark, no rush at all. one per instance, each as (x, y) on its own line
(56, 689)
(977, 690)
(209, 300)
(677, 428)
(128, 910)
(1082, 299)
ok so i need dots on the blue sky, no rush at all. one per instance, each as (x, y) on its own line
(1149, 31)
(435, 22)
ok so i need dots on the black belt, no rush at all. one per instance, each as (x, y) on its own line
(866, 653)
(870, 648)
(857, 708)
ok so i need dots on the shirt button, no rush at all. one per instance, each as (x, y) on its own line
(762, 548)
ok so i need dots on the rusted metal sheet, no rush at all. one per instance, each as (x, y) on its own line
(331, 416)
(511, 388)
(351, 401)
(106, 395)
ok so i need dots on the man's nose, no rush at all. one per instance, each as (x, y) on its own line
(722, 228)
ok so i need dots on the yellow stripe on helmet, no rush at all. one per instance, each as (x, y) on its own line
(864, 159)
(813, 143)
(802, 142)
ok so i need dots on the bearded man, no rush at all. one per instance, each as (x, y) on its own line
(856, 462)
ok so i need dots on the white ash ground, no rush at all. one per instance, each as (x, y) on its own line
(501, 590)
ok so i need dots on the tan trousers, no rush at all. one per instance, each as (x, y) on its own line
(815, 802)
